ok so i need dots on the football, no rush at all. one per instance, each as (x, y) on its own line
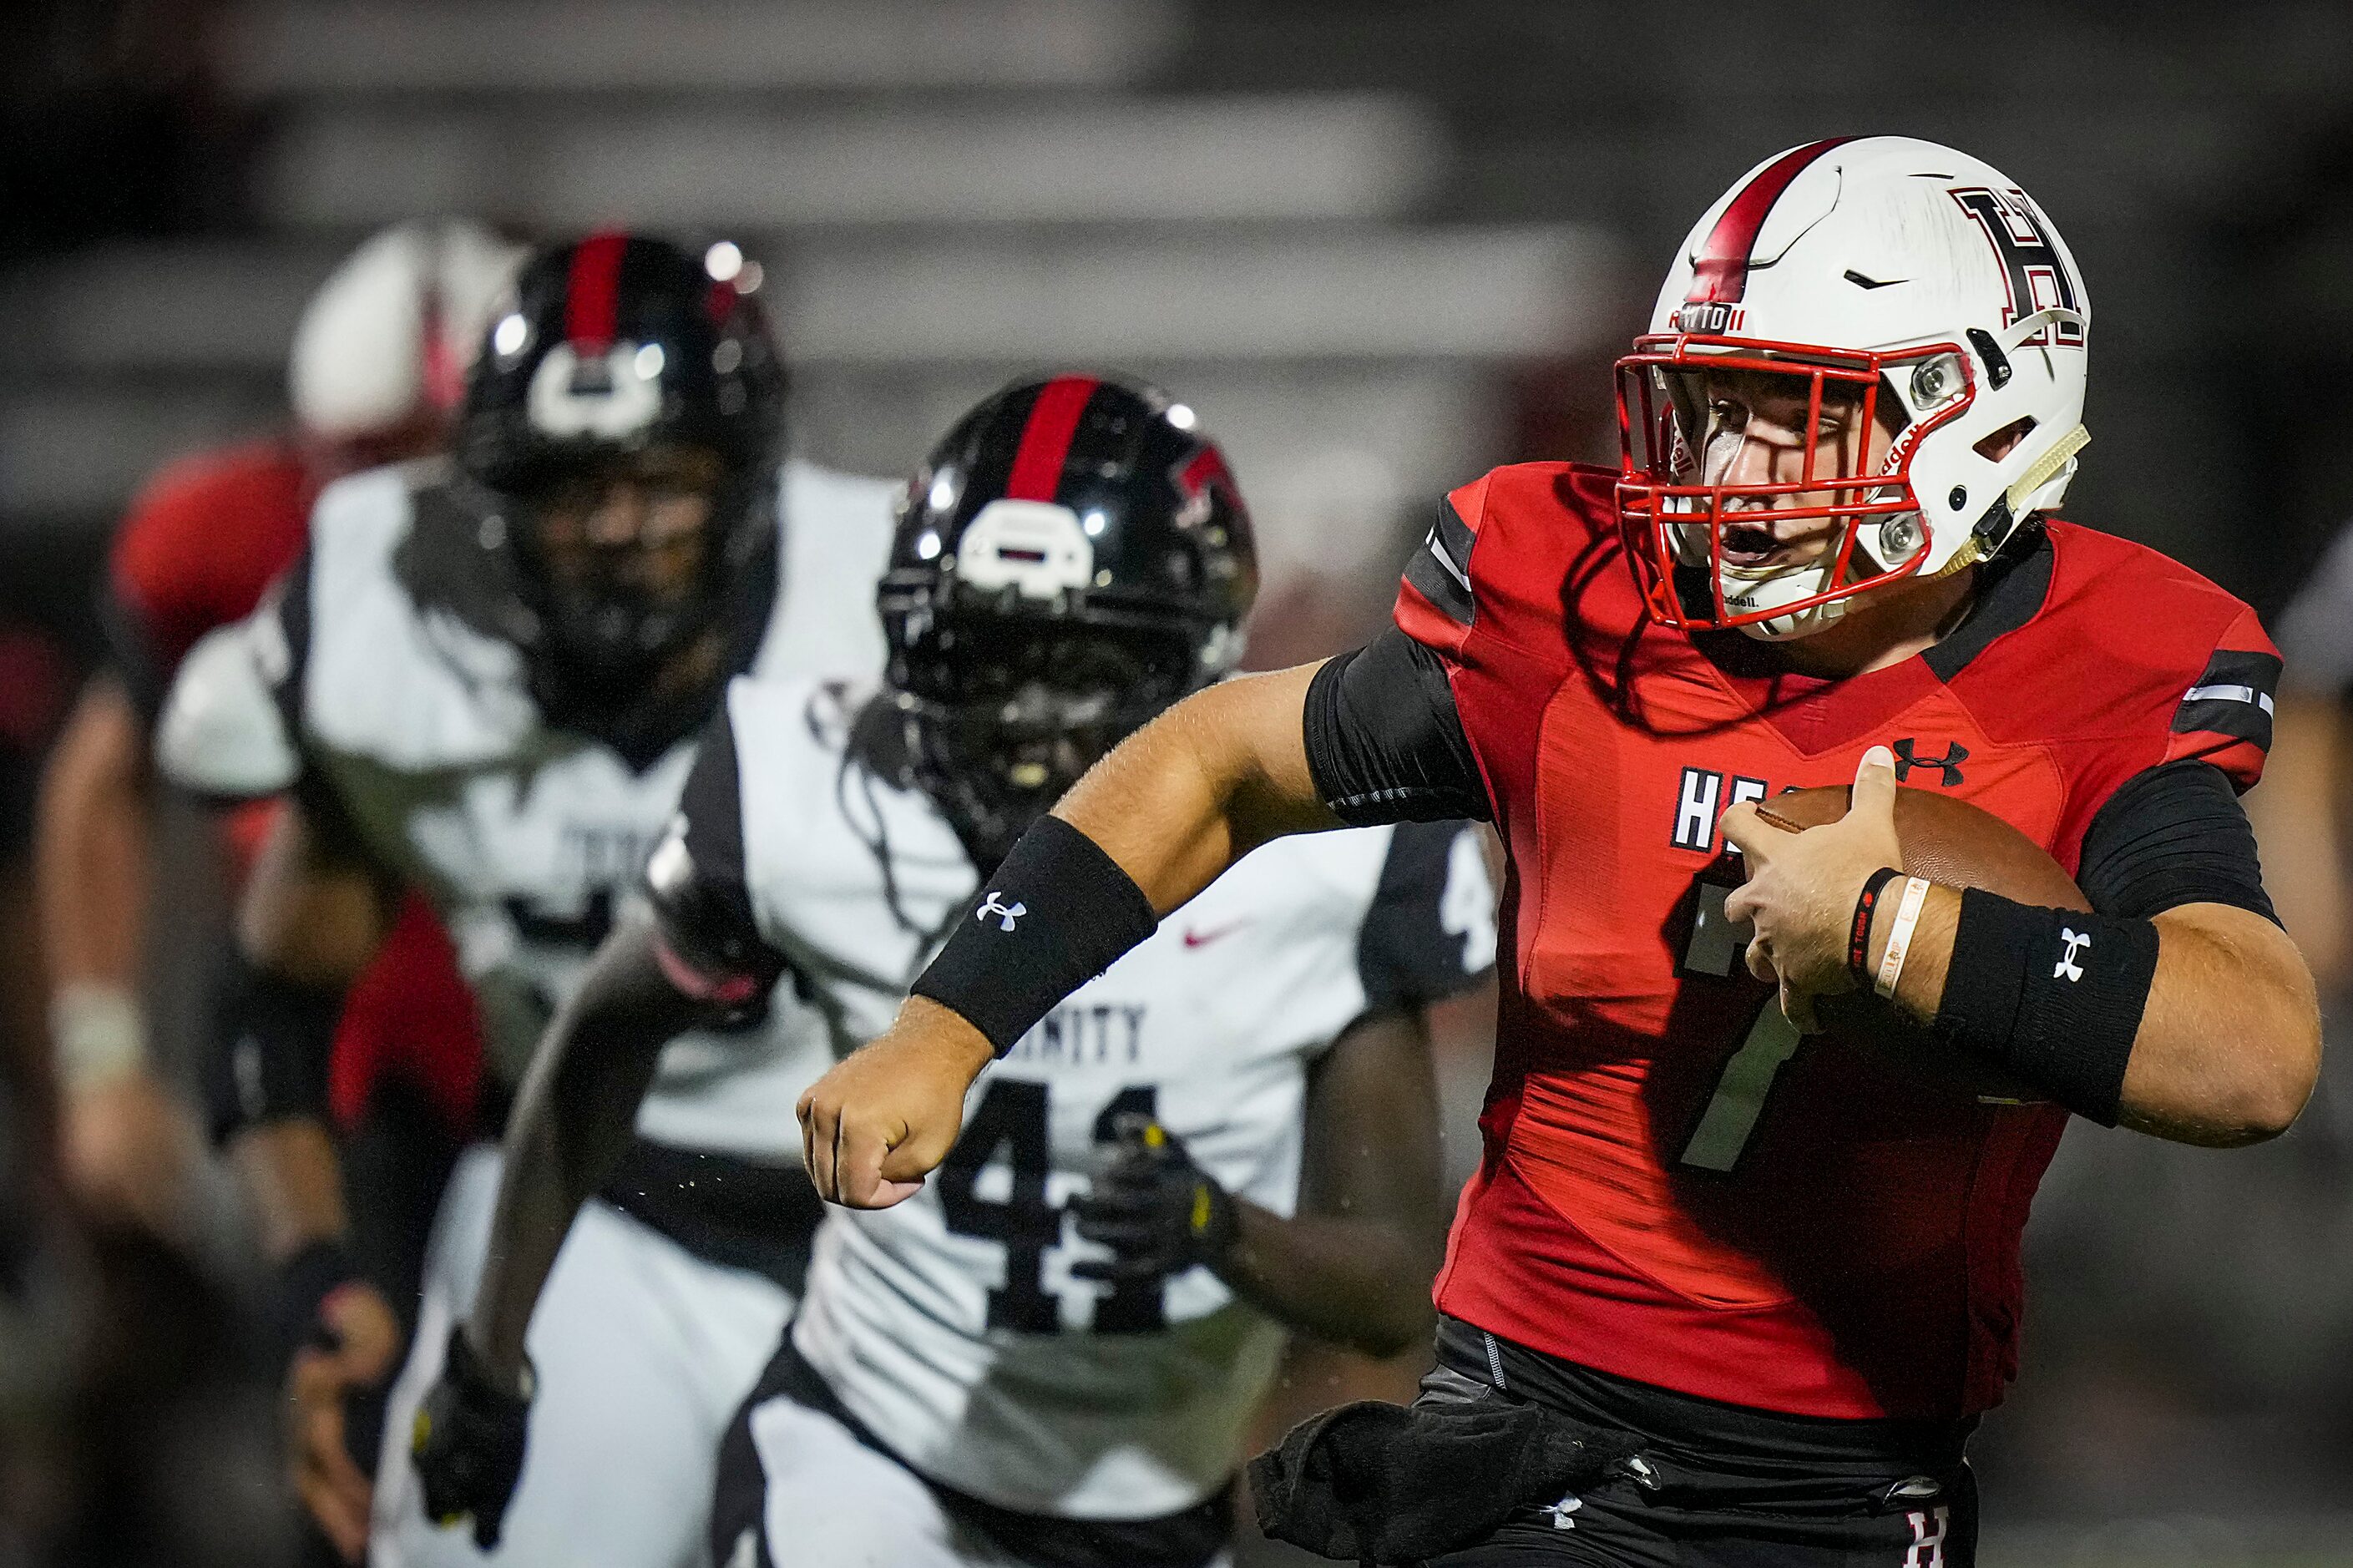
(1950, 841)
(1947, 840)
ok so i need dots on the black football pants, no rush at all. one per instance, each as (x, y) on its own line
(1717, 1485)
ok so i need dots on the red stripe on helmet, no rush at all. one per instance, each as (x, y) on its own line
(592, 291)
(1046, 437)
(1720, 270)
(441, 373)
(1206, 467)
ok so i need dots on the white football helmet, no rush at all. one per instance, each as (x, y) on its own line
(392, 331)
(1886, 281)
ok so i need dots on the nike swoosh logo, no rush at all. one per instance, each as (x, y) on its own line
(1860, 282)
(1203, 938)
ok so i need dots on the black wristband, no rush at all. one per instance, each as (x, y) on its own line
(267, 1059)
(1058, 914)
(2056, 995)
(1858, 937)
(304, 1283)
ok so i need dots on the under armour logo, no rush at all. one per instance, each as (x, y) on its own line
(2067, 968)
(1949, 765)
(1004, 916)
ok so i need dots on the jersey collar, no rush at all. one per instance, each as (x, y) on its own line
(2010, 592)
(1815, 715)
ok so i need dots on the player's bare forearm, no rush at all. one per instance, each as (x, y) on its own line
(1353, 1266)
(573, 1120)
(294, 1177)
(90, 848)
(2229, 1045)
(1203, 784)
(315, 908)
(2229, 1048)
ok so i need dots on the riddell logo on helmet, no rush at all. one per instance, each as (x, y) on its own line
(1711, 318)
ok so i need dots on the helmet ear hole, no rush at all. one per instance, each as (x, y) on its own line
(1993, 448)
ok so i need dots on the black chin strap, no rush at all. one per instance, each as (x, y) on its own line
(880, 748)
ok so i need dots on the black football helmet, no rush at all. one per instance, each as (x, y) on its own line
(1071, 558)
(615, 350)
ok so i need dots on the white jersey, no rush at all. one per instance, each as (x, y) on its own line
(951, 1325)
(529, 839)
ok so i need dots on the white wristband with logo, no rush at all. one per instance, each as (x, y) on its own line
(98, 1034)
(1899, 936)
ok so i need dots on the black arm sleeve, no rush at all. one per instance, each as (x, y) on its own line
(2171, 836)
(266, 1058)
(1384, 740)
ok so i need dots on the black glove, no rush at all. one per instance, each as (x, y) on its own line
(1158, 1211)
(468, 1443)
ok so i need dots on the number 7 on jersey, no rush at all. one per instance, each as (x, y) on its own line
(1733, 1112)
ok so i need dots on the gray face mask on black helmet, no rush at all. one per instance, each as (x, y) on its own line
(623, 358)
(1003, 717)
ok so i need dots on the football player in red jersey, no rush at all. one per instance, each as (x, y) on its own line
(376, 366)
(376, 363)
(1717, 1292)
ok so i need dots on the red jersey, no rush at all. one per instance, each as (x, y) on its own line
(1673, 1188)
(202, 541)
(200, 545)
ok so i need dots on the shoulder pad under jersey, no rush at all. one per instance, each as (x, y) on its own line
(1503, 552)
(836, 544)
(223, 733)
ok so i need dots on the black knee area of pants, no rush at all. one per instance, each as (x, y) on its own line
(739, 1489)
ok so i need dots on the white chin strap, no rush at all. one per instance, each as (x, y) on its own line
(1747, 590)
(1879, 539)
(1745, 594)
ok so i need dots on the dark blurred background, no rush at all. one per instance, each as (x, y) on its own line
(1379, 245)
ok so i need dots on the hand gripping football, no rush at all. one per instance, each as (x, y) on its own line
(1947, 840)
(1957, 845)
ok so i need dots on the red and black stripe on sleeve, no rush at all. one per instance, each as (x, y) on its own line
(1437, 604)
(2224, 716)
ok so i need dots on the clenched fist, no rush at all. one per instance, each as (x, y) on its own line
(468, 1443)
(877, 1124)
